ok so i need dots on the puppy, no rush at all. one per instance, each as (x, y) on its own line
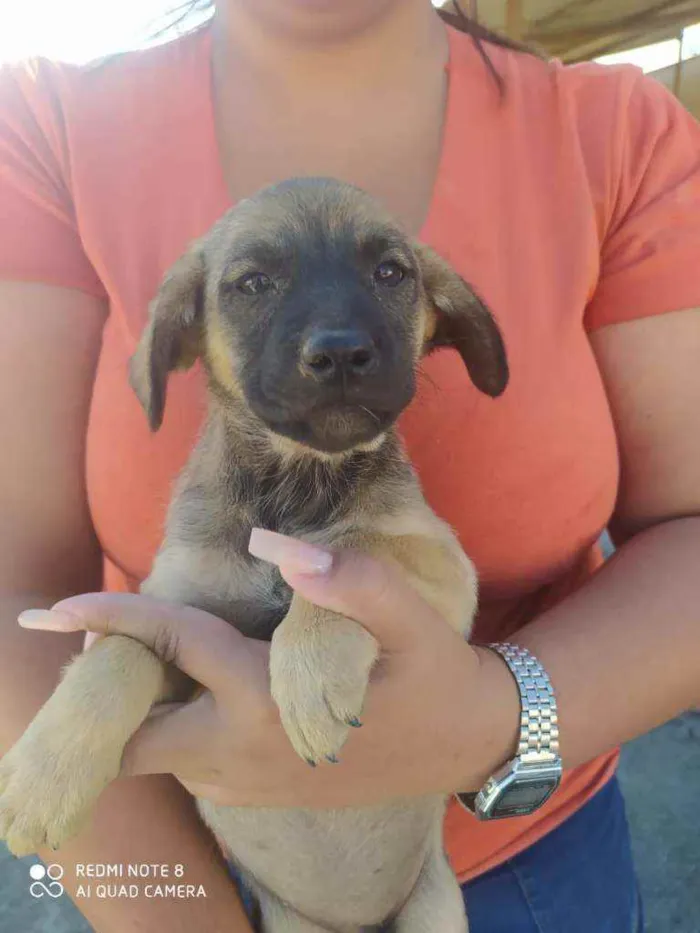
(310, 311)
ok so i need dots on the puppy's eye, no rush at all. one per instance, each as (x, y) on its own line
(254, 283)
(389, 273)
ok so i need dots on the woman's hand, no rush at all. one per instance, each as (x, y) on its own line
(228, 745)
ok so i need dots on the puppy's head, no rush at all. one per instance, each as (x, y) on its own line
(309, 304)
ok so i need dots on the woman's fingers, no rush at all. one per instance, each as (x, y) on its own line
(207, 648)
(373, 593)
(175, 737)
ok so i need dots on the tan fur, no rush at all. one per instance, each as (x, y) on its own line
(428, 326)
(219, 354)
(311, 871)
(52, 777)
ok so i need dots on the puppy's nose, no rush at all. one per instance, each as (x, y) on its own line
(328, 354)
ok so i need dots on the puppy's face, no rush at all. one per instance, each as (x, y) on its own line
(309, 303)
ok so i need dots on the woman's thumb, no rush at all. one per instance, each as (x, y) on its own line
(373, 592)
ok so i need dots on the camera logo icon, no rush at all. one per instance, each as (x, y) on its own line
(46, 880)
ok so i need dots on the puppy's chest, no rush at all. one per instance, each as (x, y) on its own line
(204, 561)
(252, 596)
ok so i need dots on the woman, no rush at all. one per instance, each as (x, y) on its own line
(570, 197)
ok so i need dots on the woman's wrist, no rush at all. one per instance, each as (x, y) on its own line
(489, 726)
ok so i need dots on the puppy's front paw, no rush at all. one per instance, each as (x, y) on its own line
(50, 781)
(319, 675)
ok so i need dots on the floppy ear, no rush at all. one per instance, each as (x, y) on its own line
(459, 318)
(172, 338)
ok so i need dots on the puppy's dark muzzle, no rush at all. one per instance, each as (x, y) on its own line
(338, 356)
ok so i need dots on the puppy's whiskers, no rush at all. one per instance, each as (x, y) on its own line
(370, 413)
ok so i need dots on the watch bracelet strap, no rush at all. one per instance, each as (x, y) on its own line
(539, 721)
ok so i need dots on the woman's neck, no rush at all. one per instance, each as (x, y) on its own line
(366, 104)
(327, 46)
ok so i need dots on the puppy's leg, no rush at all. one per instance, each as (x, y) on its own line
(320, 662)
(436, 904)
(436, 567)
(51, 778)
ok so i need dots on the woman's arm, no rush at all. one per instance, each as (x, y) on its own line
(624, 652)
(49, 348)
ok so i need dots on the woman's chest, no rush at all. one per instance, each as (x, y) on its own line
(387, 142)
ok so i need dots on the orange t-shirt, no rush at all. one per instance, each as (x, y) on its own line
(572, 203)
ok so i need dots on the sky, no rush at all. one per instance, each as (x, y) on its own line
(80, 30)
(662, 54)
(77, 30)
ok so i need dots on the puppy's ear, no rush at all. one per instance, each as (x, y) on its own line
(458, 318)
(172, 338)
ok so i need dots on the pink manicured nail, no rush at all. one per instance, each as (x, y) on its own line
(48, 621)
(289, 553)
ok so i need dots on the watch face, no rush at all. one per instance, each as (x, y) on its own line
(524, 798)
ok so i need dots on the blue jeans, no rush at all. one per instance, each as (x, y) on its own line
(578, 879)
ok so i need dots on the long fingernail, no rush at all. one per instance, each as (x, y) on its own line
(48, 621)
(289, 553)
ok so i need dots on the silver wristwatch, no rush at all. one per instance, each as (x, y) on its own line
(523, 784)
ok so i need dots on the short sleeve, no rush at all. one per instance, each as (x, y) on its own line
(39, 237)
(650, 255)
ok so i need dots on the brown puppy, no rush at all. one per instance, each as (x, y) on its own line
(310, 311)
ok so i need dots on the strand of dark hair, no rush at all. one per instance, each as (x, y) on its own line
(479, 34)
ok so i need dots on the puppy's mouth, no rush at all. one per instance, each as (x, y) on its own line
(346, 428)
(331, 419)
(335, 429)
